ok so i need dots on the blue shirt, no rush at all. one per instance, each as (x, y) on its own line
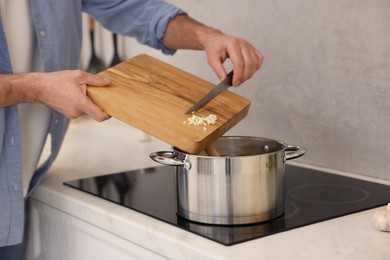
(58, 26)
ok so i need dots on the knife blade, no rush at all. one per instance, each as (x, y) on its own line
(225, 84)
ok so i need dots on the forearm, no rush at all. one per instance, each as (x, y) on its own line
(183, 32)
(18, 88)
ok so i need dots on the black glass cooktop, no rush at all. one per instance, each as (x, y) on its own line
(311, 196)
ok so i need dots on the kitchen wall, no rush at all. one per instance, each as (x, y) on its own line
(325, 80)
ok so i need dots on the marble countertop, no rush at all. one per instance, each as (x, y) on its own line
(91, 148)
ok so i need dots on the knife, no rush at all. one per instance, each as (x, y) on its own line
(225, 84)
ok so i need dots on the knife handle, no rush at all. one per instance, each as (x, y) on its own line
(229, 79)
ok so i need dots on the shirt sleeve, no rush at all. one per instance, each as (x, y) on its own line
(146, 20)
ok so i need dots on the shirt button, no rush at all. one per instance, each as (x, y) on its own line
(42, 33)
(56, 122)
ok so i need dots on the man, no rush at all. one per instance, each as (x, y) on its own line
(41, 88)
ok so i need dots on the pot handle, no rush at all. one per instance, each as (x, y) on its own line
(167, 158)
(294, 151)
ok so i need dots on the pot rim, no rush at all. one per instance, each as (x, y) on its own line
(284, 145)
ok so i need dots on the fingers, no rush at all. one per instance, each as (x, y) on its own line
(94, 111)
(246, 60)
(217, 65)
(85, 106)
(89, 107)
(237, 58)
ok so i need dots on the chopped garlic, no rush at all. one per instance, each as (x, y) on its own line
(201, 120)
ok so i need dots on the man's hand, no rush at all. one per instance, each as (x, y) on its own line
(63, 91)
(245, 58)
(185, 33)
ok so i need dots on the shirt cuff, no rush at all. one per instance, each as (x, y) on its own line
(162, 26)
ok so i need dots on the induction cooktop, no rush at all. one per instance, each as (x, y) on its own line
(311, 196)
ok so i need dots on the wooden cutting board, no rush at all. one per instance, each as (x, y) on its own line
(153, 96)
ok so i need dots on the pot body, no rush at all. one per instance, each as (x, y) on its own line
(244, 185)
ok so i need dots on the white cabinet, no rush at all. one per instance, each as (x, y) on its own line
(54, 234)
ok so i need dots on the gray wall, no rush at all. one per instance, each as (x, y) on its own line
(325, 80)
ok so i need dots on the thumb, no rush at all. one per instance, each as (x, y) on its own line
(96, 80)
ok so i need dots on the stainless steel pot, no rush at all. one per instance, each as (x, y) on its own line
(244, 185)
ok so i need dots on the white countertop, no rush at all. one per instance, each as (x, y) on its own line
(92, 149)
